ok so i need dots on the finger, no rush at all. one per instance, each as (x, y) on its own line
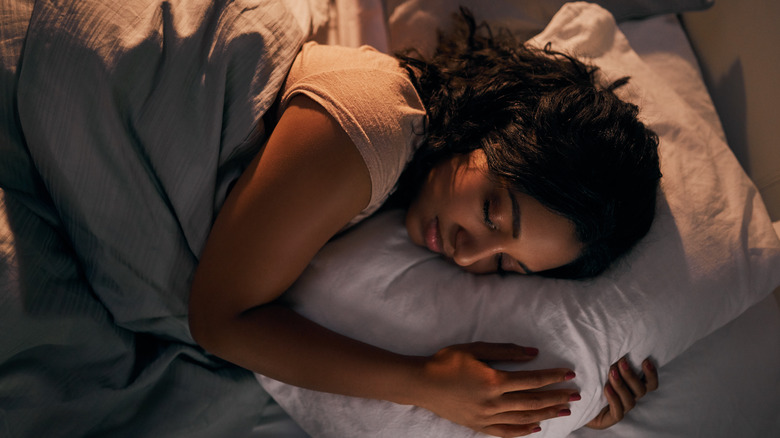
(627, 398)
(635, 384)
(651, 375)
(525, 380)
(602, 421)
(487, 351)
(611, 414)
(535, 400)
(528, 416)
(616, 411)
(506, 430)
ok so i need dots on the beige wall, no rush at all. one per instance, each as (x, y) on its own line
(738, 43)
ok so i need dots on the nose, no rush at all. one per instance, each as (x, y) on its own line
(471, 248)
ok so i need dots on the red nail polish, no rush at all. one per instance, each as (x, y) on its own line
(614, 373)
(624, 364)
(536, 429)
(531, 351)
(564, 413)
(611, 390)
(575, 397)
(570, 375)
(649, 365)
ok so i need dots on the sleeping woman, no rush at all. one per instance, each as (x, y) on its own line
(508, 159)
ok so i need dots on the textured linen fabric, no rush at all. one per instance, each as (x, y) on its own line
(372, 99)
(121, 123)
(138, 115)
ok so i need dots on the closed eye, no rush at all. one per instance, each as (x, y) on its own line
(502, 258)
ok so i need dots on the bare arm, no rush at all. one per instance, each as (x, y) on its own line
(309, 182)
(306, 185)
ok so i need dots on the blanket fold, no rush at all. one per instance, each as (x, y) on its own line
(123, 122)
(138, 115)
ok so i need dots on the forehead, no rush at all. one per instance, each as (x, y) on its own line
(546, 240)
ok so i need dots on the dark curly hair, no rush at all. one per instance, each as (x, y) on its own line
(548, 128)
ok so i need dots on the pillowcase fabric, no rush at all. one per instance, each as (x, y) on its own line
(410, 21)
(711, 254)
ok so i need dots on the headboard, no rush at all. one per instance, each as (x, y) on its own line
(737, 44)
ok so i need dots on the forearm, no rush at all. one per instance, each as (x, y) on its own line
(455, 383)
(275, 341)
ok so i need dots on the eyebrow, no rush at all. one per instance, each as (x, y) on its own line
(515, 215)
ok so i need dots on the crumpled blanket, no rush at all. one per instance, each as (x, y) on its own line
(123, 124)
(138, 115)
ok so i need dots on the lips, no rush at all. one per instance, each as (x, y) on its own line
(433, 236)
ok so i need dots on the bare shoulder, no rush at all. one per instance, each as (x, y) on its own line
(305, 185)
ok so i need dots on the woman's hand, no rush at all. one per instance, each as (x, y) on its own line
(623, 390)
(460, 386)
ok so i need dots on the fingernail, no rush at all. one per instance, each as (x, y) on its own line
(536, 429)
(614, 373)
(570, 375)
(575, 397)
(624, 364)
(610, 390)
(531, 351)
(564, 413)
(649, 365)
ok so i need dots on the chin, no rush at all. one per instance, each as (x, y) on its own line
(413, 228)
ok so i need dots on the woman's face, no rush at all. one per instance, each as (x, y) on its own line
(462, 214)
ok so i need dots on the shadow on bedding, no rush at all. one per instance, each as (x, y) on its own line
(67, 370)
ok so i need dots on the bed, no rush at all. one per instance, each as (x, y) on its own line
(93, 311)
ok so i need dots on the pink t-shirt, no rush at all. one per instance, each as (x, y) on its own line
(372, 98)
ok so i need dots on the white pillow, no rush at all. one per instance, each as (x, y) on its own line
(411, 21)
(711, 254)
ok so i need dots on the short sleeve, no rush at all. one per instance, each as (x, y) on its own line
(372, 99)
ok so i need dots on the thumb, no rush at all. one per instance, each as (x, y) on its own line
(488, 351)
